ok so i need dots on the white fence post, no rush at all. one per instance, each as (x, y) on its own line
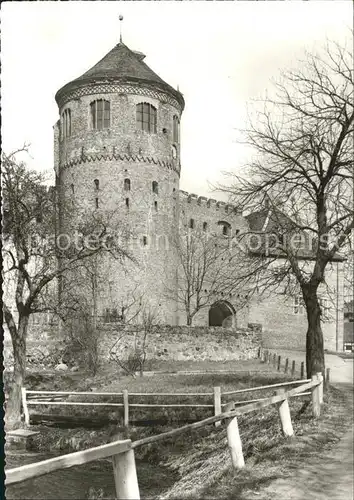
(126, 407)
(217, 404)
(125, 478)
(316, 406)
(234, 440)
(320, 387)
(285, 416)
(24, 405)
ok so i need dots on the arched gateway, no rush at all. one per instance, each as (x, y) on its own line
(222, 313)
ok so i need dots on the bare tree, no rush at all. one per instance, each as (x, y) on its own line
(303, 166)
(31, 253)
(78, 312)
(208, 269)
(138, 314)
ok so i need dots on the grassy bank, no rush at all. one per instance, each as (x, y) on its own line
(206, 472)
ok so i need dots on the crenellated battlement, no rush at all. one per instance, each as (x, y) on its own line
(209, 203)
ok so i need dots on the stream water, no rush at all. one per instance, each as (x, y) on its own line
(93, 480)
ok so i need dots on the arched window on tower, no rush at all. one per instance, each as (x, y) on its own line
(126, 184)
(155, 187)
(97, 184)
(65, 123)
(72, 189)
(100, 114)
(191, 224)
(175, 129)
(146, 117)
(205, 226)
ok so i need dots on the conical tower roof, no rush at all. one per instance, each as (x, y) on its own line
(121, 64)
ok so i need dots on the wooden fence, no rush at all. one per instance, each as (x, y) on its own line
(124, 398)
(122, 452)
(291, 368)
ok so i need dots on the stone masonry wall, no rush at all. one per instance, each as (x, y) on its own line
(182, 343)
(166, 343)
(210, 211)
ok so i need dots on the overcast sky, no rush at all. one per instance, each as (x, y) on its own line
(221, 54)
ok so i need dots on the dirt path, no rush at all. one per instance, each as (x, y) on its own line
(330, 478)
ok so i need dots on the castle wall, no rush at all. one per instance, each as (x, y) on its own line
(213, 214)
(209, 211)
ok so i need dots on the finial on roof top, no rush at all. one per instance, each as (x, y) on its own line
(120, 28)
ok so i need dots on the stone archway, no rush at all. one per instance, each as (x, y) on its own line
(222, 313)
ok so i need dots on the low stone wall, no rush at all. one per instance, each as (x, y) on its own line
(182, 343)
(177, 343)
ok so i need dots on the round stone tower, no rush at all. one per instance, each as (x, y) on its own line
(117, 154)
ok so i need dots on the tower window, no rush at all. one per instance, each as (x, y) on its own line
(205, 226)
(191, 223)
(146, 117)
(96, 202)
(66, 123)
(155, 205)
(72, 188)
(100, 114)
(155, 187)
(126, 184)
(127, 202)
(225, 227)
(175, 129)
(97, 184)
(145, 241)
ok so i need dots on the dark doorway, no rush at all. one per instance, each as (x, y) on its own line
(221, 314)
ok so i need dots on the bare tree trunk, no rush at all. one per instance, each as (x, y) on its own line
(189, 319)
(18, 336)
(314, 338)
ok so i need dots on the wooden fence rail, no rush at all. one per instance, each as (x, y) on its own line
(50, 398)
(122, 452)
